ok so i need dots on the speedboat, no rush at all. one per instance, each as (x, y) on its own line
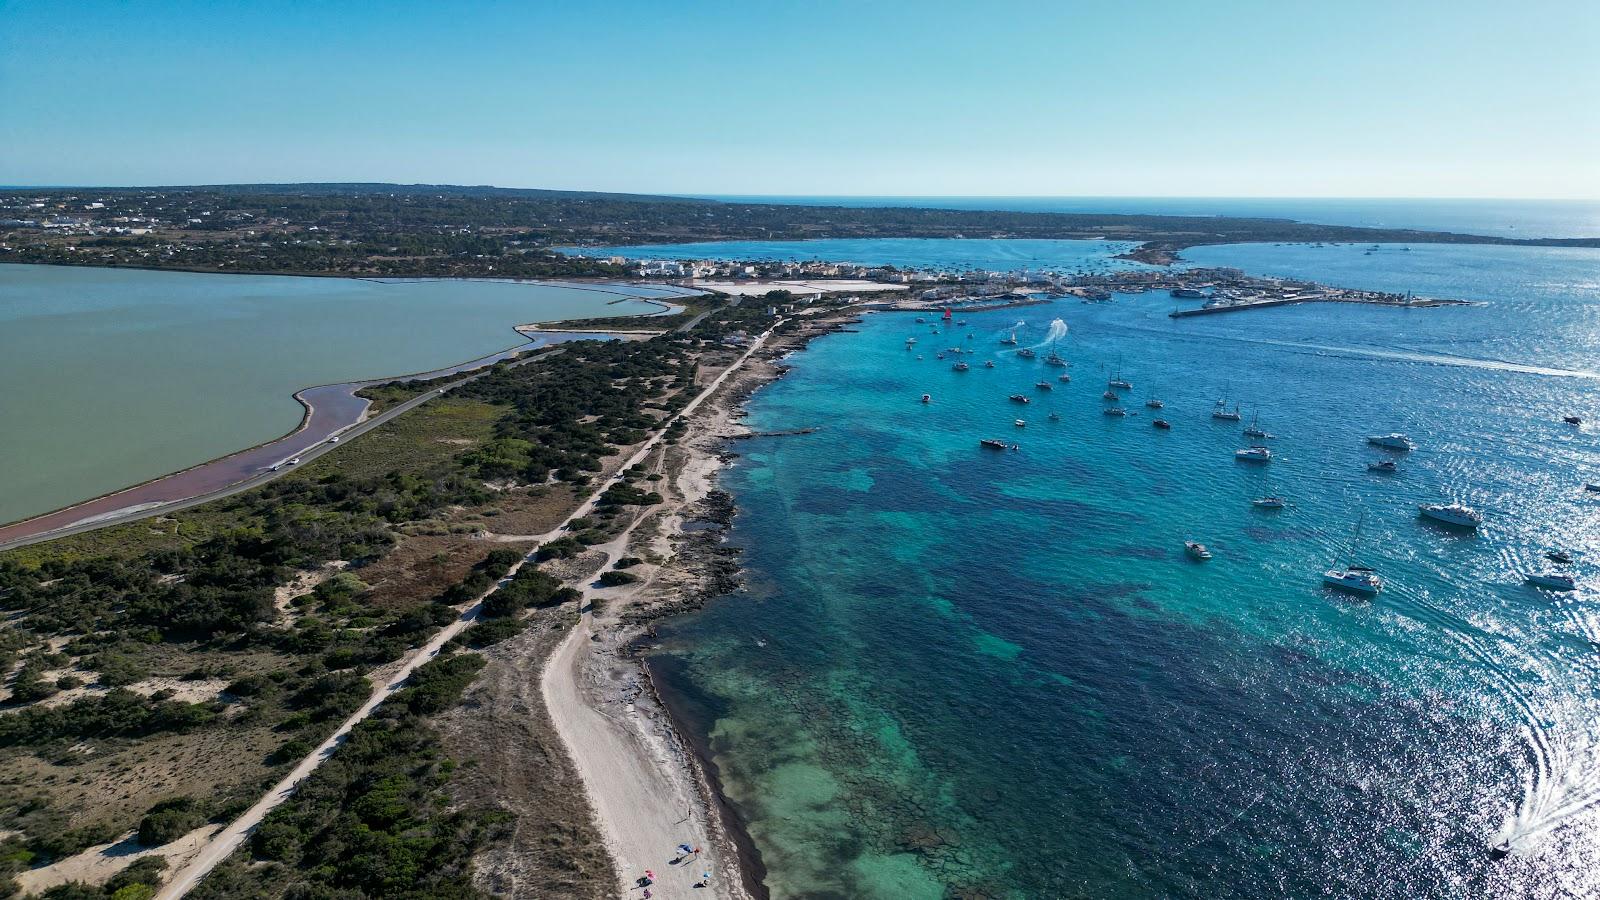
(1383, 467)
(1559, 556)
(909, 342)
(1553, 581)
(1162, 424)
(1115, 411)
(1063, 378)
(1018, 398)
(1394, 441)
(1025, 353)
(1196, 550)
(1268, 503)
(939, 355)
(927, 398)
(1054, 359)
(960, 367)
(1110, 395)
(1043, 385)
(1355, 579)
(1253, 454)
(920, 320)
(992, 444)
(1453, 514)
(1572, 420)
(1020, 424)
(1591, 486)
(1153, 403)
(989, 364)
(1500, 851)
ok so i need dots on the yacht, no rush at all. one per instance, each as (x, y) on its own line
(1012, 340)
(1018, 398)
(1268, 503)
(1559, 556)
(1224, 413)
(920, 320)
(1354, 578)
(1572, 420)
(992, 444)
(1383, 467)
(1063, 378)
(1453, 514)
(1020, 424)
(1253, 454)
(1115, 411)
(1553, 581)
(960, 367)
(1593, 487)
(1255, 430)
(1110, 395)
(910, 342)
(1117, 382)
(1054, 359)
(1043, 385)
(927, 398)
(1162, 424)
(1196, 550)
(1025, 353)
(1154, 403)
(1394, 441)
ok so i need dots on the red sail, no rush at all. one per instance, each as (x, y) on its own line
(947, 313)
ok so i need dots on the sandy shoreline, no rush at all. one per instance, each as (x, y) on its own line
(650, 786)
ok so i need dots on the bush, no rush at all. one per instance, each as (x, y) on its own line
(560, 548)
(146, 870)
(627, 562)
(614, 578)
(169, 820)
(486, 633)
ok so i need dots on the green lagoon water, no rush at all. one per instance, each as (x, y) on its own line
(109, 377)
(961, 672)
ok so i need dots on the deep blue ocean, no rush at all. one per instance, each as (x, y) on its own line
(962, 672)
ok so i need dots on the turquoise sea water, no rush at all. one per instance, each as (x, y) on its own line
(109, 377)
(960, 672)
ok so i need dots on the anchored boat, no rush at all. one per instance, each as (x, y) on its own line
(1354, 578)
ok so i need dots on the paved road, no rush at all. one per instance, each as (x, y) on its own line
(228, 839)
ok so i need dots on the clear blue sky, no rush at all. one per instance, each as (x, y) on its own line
(1413, 98)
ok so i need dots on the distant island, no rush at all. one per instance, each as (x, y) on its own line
(392, 230)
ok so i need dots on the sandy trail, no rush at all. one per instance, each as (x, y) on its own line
(623, 794)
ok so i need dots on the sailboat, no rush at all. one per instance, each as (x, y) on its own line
(1354, 578)
(1116, 380)
(1255, 430)
(1012, 340)
(1224, 413)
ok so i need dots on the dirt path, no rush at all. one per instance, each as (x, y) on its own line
(229, 838)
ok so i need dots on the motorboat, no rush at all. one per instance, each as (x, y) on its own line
(1162, 424)
(1153, 403)
(1020, 424)
(1553, 581)
(939, 355)
(926, 398)
(1055, 417)
(1115, 411)
(1268, 503)
(1110, 395)
(1196, 550)
(989, 364)
(960, 367)
(1025, 353)
(1063, 378)
(1591, 486)
(1354, 578)
(1019, 398)
(920, 320)
(1452, 514)
(910, 342)
(992, 444)
(1572, 420)
(1395, 441)
(1253, 454)
(1383, 467)
(1559, 556)
(1043, 385)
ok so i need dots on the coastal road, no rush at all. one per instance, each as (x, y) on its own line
(170, 493)
(222, 845)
